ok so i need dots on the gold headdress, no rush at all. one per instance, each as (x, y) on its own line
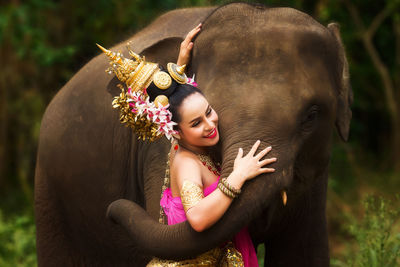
(150, 118)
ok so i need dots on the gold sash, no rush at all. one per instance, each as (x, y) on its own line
(227, 256)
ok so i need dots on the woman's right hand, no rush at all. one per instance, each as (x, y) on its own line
(186, 46)
(251, 165)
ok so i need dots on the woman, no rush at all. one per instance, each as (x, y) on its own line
(194, 178)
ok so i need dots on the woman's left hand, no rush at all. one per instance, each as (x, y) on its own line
(186, 46)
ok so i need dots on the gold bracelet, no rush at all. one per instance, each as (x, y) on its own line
(230, 187)
(226, 191)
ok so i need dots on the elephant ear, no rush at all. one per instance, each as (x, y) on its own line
(345, 93)
(164, 51)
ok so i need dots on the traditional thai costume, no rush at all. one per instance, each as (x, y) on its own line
(143, 105)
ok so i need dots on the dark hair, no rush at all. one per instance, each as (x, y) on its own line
(181, 92)
(176, 93)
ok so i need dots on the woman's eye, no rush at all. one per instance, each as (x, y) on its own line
(209, 111)
(195, 124)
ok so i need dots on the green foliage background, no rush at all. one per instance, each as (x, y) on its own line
(43, 43)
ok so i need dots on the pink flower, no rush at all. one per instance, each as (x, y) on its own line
(192, 82)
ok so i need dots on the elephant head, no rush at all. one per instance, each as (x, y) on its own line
(273, 74)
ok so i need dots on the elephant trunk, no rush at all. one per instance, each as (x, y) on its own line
(257, 193)
(180, 240)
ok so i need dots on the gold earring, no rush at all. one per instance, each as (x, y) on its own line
(176, 136)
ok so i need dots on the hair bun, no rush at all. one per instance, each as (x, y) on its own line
(153, 90)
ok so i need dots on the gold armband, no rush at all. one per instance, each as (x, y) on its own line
(191, 194)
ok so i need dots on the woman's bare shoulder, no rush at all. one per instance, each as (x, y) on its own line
(185, 160)
(186, 166)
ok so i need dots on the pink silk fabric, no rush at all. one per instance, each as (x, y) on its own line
(176, 214)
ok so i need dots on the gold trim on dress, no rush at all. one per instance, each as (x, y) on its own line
(207, 259)
(191, 194)
(227, 256)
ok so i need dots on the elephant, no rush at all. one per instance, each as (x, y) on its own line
(272, 74)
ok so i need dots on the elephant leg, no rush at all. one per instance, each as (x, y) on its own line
(304, 240)
(52, 244)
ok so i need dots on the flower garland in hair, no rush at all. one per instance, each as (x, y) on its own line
(144, 116)
(191, 81)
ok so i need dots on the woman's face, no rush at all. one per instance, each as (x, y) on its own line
(199, 123)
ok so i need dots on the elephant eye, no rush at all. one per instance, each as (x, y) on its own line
(311, 117)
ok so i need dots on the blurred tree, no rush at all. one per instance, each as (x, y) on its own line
(389, 74)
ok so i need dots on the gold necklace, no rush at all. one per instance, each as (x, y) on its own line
(163, 217)
(206, 161)
(209, 163)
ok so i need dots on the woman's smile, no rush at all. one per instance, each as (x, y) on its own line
(213, 133)
(199, 124)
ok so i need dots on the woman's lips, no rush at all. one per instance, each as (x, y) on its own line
(212, 134)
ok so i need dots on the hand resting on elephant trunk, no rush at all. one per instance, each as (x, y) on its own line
(188, 172)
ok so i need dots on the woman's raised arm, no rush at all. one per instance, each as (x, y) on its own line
(186, 46)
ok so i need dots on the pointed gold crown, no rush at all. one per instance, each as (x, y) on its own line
(149, 119)
(137, 74)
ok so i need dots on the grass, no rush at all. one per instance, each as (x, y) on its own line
(362, 210)
(375, 239)
(17, 240)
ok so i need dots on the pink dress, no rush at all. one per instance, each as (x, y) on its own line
(173, 208)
